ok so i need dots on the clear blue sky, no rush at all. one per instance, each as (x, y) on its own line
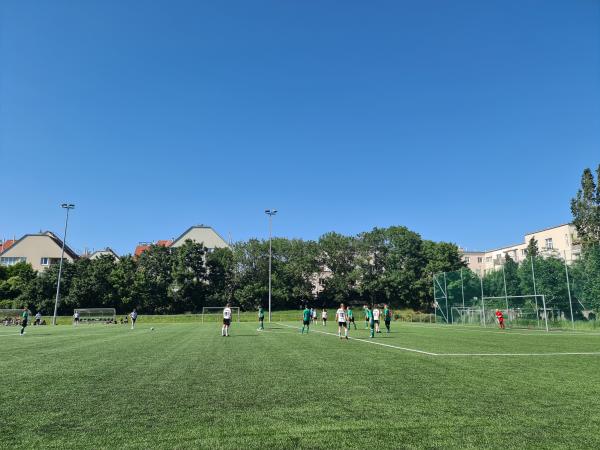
(467, 121)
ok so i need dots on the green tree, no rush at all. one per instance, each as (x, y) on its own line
(511, 269)
(91, 286)
(123, 280)
(532, 248)
(444, 257)
(188, 288)
(392, 262)
(337, 268)
(220, 266)
(585, 208)
(15, 279)
(154, 280)
(585, 279)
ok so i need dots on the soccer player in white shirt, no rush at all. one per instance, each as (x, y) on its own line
(376, 314)
(324, 317)
(76, 318)
(226, 320)
(340, 317)
(133, 316)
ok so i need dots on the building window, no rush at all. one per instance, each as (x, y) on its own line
(488, 259)
(467, 259)
(549, 244)
(523, 252)
(12, 260)
(479, 259)
(44, 261)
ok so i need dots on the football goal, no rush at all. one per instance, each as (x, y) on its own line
(519, 311)
(96, 315)
(215, 313)
(12, 316)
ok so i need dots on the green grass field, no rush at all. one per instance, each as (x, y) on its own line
(184, 386)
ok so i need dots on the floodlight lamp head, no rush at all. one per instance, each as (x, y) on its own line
(67, 205)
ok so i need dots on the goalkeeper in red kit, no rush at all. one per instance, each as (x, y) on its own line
(500, 318)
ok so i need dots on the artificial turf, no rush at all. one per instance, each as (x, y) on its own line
(185, 386)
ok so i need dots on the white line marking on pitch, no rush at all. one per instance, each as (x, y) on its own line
(508, 331)
(521, 354)
(370, 342)
(455, 354)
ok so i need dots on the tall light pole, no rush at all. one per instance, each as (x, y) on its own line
(68, 207)
(270, 213)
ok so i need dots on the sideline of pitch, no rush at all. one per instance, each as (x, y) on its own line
(523, 354)
(508, 331)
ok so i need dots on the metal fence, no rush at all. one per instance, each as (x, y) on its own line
(543, 293)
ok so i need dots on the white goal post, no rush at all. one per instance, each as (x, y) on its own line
(215, 313)
(96, 315)
(518, 310)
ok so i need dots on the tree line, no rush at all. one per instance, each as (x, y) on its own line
(392, 265)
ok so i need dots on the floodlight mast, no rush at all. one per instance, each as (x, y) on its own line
(270, 213)
(67, 207)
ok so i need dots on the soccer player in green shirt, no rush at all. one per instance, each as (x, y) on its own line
(261, 318)
(350, 317)
(24, 318)
(387, 316)
(365, 309)
(370, 320)
(306, 316)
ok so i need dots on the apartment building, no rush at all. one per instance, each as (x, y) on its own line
(559, 241)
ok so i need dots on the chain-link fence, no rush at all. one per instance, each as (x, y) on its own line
(544, 293)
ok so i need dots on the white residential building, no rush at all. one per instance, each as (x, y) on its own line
(560, 241)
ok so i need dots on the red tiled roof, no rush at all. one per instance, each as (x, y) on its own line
(141, 248)
(6, 244)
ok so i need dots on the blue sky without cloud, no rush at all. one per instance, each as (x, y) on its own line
(467, 121)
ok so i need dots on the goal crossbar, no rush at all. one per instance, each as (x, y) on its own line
(96, 315)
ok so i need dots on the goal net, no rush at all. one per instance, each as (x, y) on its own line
(96, 315)
(215, 313)
(518, 311)
(11, 316)
(466, 316)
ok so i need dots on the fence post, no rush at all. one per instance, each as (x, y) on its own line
(569, 290)
(462, 287)
(537, 309)
(545, 311)
(482, 302)
(446, 294)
